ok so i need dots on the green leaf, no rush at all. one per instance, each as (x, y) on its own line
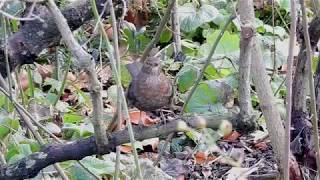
(34, 145)
(51, 97)
(71, 131)
(189, 47)
(77, 172)
(72, 118)
(191, 18)
(7, 125)
(186, 77)
(285, 4)
(194, 135)
(99, 166)
(212, 73)
(15, 158)
(229, 43)
(209, 97)
(166, 36)
(3, 100)
(202, 98)
(231, 80)
(315, 61)
(18, 152)
(125, 76)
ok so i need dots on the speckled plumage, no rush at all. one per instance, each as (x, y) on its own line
(149, 89)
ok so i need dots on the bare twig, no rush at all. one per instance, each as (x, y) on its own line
(176, 28)
(316, 4)
(164, 147)
(85, 61)
(118, 63)
(6, 57)
(314, 114)
(118, 81)
(286, 162)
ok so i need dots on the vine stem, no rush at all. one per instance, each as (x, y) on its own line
(286, 162)
(156, 37)
(208, 60)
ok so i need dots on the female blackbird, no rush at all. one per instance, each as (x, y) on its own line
(150, 89)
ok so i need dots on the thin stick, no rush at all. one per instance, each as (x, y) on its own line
(314, 114)
(118, 81)
(85, 61)
(156, 37)
(164, 147)
(208, 60)
(176, 29)
(118, 63)
(315, 4)
(6, 56)
(61, 90)
(286, 163)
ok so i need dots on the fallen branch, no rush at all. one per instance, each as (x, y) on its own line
(30, 166)
(34, 36)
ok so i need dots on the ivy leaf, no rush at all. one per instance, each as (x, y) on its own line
(166, 36)
(7, 125)
(98, 166)
(191, 18)
(209, 97)
(72, 118)
(285, 4)
(186, 77)
(125, 76)
(228, 44)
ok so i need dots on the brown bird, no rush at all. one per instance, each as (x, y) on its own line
(149, 89)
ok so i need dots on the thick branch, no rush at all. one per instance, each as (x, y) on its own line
(247, 32)
(29, 166)
(35, 36)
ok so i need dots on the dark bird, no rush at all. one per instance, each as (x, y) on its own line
(149, 89)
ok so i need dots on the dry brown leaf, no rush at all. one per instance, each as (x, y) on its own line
(232, 137)
(44, 70)
(203, 158)
(126, 149)
(261, 145)
(146, 120)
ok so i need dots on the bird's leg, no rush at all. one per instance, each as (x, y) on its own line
(162, 116)
(174, 99)
(140, 124)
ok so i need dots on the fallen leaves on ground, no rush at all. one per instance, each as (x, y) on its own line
(232, 137)
(204, 158)
(146, 120)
